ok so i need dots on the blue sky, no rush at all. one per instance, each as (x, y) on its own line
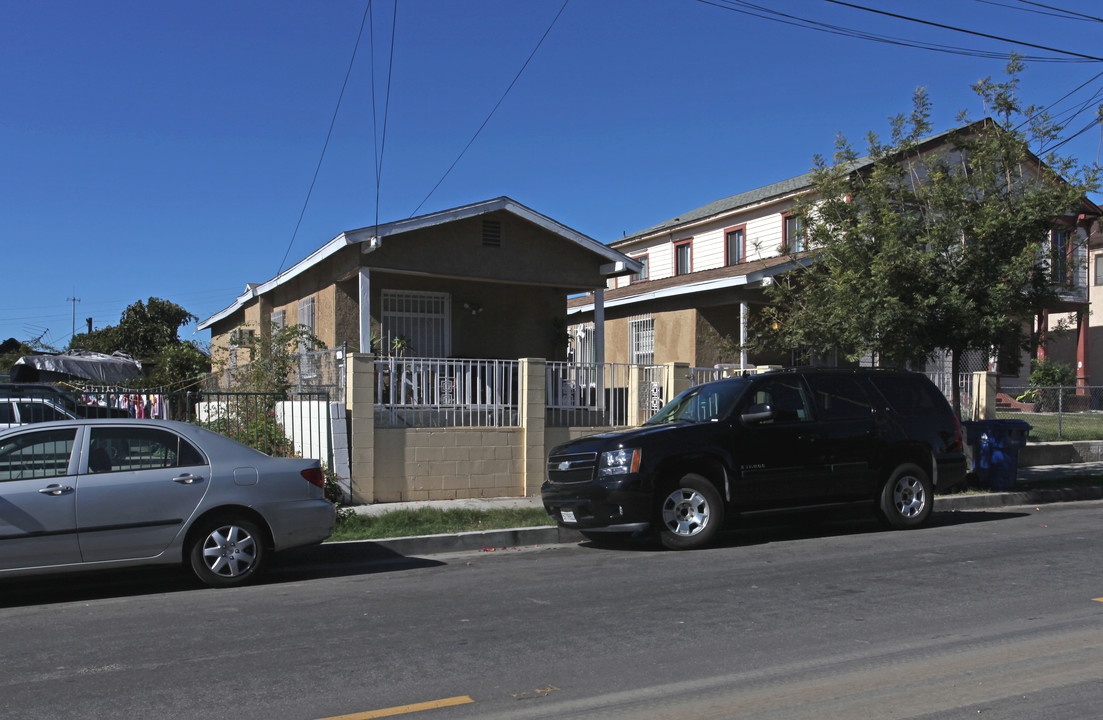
(167, 149)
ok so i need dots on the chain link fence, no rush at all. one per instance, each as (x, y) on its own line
(1055, 413)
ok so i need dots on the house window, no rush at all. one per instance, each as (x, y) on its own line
(1060, 248)
(416, 324)
(278, 320)
(735, 245)
(683, 257)
(641, 276)
(582, 348)
(794, 234)
(641, 340)
(306, 319)
(1099, 269)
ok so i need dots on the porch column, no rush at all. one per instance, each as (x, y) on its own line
(1083, 331)
(360, 409)
(365, 311)
(532, 406)
(599, 326)
(744, 319)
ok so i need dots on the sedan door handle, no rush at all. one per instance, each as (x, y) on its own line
(55, 489)
(188, 479)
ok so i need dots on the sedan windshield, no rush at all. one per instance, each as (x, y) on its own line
(704, 403)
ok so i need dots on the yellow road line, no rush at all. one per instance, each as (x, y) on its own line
(1098, 599)
(405, 709)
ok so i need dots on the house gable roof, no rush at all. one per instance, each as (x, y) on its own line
(372, 237)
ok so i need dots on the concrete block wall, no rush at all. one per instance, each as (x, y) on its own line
(403, 464)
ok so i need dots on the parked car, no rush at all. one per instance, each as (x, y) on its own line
(17, 411)
(776, 442)
(70, 401)
(83, 494)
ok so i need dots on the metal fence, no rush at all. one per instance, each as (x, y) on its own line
(292, 424)
(598, 394)
(436, 392)
(1055, 413)
(312, 372)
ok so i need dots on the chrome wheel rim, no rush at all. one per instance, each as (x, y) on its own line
(230, 551)
(686, 512)
(908, 496)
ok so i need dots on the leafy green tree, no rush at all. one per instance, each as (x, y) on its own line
(273, 358)
(149, 332)
(932, 244)
(144, 330)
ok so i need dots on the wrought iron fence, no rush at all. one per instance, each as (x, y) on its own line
(1055, 413)
(437, 392)
(295, 424)
(598, 394)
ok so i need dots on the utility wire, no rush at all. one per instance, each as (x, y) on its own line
(329, 134)
(381, 145)
(494, 109)
(764, 13)
(963, 30)
(1057, 12)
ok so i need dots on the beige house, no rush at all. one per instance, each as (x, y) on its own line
(488, 280)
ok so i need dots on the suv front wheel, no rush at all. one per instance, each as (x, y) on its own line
(691, 514)
(907, 497)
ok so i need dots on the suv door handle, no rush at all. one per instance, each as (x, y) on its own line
(188, 479)
(55, 489)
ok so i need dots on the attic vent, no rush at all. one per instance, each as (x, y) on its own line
(492, 233)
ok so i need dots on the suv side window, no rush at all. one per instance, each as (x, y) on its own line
(7, 414)
(839, 397)
(785, 396)
(911, 396)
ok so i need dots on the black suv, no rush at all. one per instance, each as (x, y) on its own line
(67, 400)
(781, 441)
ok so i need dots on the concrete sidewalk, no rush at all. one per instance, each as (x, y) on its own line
(519, 537)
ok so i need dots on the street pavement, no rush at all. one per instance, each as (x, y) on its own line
(492, 540)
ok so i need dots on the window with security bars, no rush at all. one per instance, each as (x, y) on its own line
(641, 340)
(416, 324)
(582, 344)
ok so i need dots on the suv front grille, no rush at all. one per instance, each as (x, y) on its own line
(574, 468)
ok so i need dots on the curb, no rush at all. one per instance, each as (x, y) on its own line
(553, 535)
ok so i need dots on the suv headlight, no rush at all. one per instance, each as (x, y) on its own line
(619, 462)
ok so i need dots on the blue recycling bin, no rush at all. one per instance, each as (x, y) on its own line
(995, 445)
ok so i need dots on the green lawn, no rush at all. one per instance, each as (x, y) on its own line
(433, 521)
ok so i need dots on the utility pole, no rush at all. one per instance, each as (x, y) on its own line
(74, 300)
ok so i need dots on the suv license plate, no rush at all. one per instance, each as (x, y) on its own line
(567, 515)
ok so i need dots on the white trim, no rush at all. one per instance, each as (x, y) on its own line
(371, 238)
(758, 278)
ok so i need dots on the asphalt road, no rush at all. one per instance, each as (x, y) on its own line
(984, 614)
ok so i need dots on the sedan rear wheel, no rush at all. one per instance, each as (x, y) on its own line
(228, 551)
(691, 515)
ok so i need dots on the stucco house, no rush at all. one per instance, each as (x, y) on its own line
(487, 280)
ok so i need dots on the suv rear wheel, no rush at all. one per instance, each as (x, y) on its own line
(907, 497)
(691, 514)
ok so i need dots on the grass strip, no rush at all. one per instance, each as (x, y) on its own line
(433, 521)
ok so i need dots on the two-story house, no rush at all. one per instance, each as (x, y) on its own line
(704, 275)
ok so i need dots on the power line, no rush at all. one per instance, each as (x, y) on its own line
(329, 134)
(1057, 12)
(963, 30)
(750, 9)
(493, 110)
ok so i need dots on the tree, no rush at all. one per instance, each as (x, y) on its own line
(149, 332)
(934, 244)
(272, 359)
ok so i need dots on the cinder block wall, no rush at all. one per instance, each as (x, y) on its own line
(403, 464)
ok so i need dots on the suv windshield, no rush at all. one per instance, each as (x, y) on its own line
(704, 403)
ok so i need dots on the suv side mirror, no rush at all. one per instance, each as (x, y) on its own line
(757, 414)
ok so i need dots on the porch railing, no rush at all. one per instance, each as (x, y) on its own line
(602, 394)
(437, 392)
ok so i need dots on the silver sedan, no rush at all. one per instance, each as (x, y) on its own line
(83, 494)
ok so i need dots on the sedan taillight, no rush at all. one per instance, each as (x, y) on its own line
(315, 476)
